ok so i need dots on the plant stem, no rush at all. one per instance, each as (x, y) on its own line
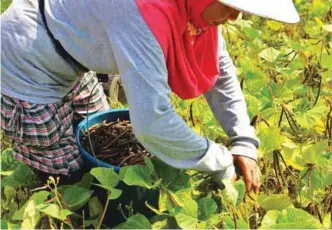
(69, 224)
(122, 213)
(51, 222)
(104, 211)
(58, 196)
(236, 225)
(83, 214)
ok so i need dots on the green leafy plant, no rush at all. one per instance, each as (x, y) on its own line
(285, 73)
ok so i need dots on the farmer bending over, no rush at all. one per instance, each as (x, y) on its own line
(158, 47)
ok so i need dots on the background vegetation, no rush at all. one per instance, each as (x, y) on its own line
(285, 72)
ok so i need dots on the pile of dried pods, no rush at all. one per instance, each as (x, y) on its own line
(114, 143)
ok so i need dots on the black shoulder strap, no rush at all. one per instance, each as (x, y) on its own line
(58, 47)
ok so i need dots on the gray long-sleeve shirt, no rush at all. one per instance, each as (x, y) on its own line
(109, 36)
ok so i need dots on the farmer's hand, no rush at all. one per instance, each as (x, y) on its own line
(250, 172)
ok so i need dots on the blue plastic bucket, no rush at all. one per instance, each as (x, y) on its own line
(109, 115)
(134, 194)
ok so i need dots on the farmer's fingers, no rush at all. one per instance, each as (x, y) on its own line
(250, 172)
(247, 177)
(258, 179)
(256, 182)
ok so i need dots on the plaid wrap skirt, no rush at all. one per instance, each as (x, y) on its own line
(42, 134)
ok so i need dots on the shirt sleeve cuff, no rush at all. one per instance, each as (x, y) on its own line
(216, 158)
(246, 149)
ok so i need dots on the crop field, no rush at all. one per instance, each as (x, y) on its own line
(285, 72)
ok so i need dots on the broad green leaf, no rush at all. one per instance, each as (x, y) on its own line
(229, 193)
(202, 225)
(162, 200)
(314, 153)
(295, 45)
(252, 33)
(160, 224)
(36, 199)
(95, 211)
(253, 104)
(8, 161)
(318, 178)
(172, 202)
(137, 175)
(295, 82)
(254, 82)
(86, 181)
(290, 154)
(31, 216)
(153, 208)
(326, 61)
(270, 54)
(14, 226)
(327, 28)
(137, 221)
(240, 22)
(270, 140)
(229, 223)
(8, 225)
(54, 211)
(309, 118)
(106, 176)
(270, 218)
(12, 207)
(327, 222)
(274, 25)
(213, 221)
(9, 192)
(5, 4)
(95, 207)
(149, 165)
(183, 195)
(274, 201)
(187, 216)
(206, 207)
(271, 114)
(115, 194)
(76, 197)
(6, 173)
(290, 218)
(241, 188)
(22, 175)
(175, 179)
(281, 93)
(164, 222)
(4, 224)
(327, 77)
(64, 213)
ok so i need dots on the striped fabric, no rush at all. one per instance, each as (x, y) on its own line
(97, 100)
(42, 134)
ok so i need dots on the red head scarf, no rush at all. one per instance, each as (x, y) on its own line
(192, 61)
